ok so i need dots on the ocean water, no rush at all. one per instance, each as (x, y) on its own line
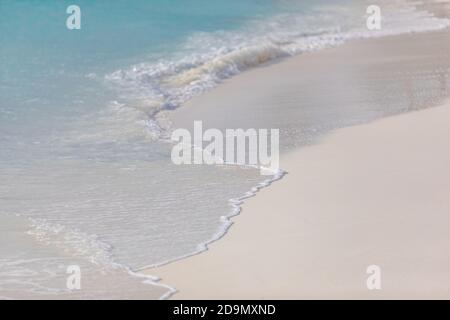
(86, 175)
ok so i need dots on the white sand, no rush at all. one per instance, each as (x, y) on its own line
(376, 194)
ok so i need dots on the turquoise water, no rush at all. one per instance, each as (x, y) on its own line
(51, 76)
(86, 172)
(37, 49)
(43, 64)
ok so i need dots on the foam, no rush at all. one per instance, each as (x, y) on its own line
(207, 59)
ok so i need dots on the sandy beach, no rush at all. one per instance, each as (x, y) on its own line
(375, 194)
(370, 194)
(134, 162)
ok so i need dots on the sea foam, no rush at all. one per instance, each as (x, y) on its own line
(204, 60)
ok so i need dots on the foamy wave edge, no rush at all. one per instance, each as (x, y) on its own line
(226, 223)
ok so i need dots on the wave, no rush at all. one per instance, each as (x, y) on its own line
(207, 59)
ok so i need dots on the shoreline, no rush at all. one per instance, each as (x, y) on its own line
(164, 272)
(228, 221)
(238, 267)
